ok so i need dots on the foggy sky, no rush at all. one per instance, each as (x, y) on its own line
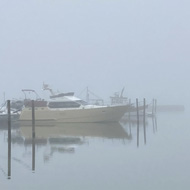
(142, 45)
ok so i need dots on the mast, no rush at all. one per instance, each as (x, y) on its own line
(87, 95)
(46, 87)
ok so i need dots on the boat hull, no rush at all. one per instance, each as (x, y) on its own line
(99, 114)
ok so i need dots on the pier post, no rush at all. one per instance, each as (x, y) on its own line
(137, 107)
(33, 136)
(155, 106)
(144, 119)
(9, 138)
(33, 120)
(129, 117)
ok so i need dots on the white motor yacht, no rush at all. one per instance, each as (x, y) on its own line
(65, 107)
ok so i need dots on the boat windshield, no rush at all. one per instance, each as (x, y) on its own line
(82, 102)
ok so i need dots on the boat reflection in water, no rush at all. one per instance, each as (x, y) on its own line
(65, 137)
(102, 130)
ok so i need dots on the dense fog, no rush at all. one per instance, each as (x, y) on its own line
(100, 44)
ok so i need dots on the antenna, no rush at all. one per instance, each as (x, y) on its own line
(122, 92)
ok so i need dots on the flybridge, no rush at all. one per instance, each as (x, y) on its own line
(62, 95)
(53, 95)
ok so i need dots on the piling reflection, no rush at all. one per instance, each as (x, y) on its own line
(33, 153)
(154, 124)
(9, 157)
(139, 121)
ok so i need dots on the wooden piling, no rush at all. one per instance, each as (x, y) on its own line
(129, 117)
(9, 138)
(137, 107)
(33, 136)
(144, 119)
(33, 120)
(155, 106)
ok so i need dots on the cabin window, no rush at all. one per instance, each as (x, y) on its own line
(63, 105)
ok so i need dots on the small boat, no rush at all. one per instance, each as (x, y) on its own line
(14, 114)
(119, 99)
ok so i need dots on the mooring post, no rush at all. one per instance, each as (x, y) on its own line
(129, 113)
(144, 119)
(33, 120)
(155, 106)
(137, 107)
(9, 138)
(33, 136)
(129, 117)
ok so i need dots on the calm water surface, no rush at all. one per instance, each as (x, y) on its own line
(99, 156)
